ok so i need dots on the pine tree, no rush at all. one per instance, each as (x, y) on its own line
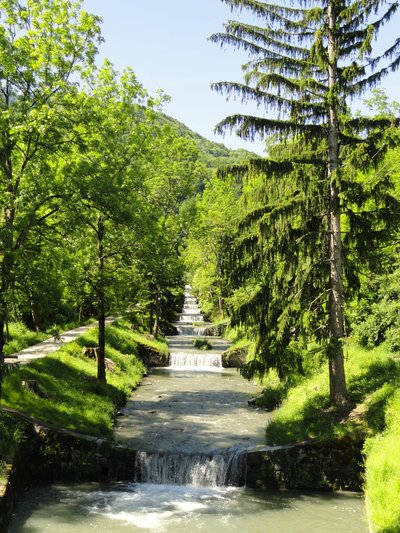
(310, 58)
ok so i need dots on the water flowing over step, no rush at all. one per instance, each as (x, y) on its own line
(183, 353)
(189, 330)
(224, 469)
(195, 360)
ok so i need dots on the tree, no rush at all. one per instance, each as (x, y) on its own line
(310, 59)
(104, 176)
(45, 47)
(210, 241)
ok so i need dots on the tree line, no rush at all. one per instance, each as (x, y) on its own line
(93, 186)
(291, 238)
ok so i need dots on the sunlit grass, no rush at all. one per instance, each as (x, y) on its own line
(382, 485)
(373, 378)
(72, 396)
(21, 337)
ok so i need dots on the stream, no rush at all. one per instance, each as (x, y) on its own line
(191, 424)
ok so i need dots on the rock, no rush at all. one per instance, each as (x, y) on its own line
(234, 358)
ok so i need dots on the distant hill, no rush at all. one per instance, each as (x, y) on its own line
(211, 153)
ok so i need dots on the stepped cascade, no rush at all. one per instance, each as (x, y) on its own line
(186, 409)
(183, 353)
(191, 427)
(196, 469)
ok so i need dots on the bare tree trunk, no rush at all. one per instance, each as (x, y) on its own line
(34, 315)
(337, 378)
(2, 341)
(101, 315)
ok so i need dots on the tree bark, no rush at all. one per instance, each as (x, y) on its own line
(101, 315)
(337, 378)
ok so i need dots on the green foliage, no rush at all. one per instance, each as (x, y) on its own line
(375, 317)
(209, 243)
(201, 344)
(305, 413)
(273, 393)
(11, 432)
(382, 484)
(212, 154)
(72, 396)
(49, 46)
(21, 337)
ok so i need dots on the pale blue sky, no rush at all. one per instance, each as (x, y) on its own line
(166, 44)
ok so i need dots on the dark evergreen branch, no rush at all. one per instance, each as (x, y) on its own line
(270, 100)
(248, 127)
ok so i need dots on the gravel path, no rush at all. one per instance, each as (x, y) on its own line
(49, 346)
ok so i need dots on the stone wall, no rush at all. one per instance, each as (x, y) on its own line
(151, 356)
(59, 455)
(310, 465)
(10, 491)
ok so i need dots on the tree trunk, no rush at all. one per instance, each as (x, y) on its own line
(34, 316)
(101, 315)
(157, 313)
(2, 342)
(337, 378)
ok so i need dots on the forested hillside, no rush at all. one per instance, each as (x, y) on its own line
(213, 154)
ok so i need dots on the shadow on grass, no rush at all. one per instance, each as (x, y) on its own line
(318, 419)
(72, 396)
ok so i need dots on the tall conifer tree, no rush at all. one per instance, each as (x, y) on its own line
(309, 58)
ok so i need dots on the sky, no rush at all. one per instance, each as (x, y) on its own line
(166, 44)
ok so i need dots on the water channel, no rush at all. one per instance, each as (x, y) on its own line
(191, 423)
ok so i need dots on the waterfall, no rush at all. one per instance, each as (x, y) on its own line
(183, 353)
(221, 469)
(189, 330)
(189, 359)
(200, 468)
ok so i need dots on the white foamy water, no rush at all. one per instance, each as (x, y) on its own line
(123, 508)
(218, 469)
(195, 360)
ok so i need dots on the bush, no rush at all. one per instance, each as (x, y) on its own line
(201, 344)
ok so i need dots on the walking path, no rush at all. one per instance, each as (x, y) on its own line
(50, 345)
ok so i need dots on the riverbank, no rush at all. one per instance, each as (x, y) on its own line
(67, 392)
(371, 418)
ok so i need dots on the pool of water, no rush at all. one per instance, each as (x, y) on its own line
(182, 509)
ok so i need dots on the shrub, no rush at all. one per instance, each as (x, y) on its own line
(201, 344)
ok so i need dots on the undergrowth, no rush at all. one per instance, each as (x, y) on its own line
(21, 337)
(372, 415)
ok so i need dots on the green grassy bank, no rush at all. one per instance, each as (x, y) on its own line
(372, 414)
(71, 397)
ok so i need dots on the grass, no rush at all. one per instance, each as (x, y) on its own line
(148, 340)
(21, 337)
(382, 484)
(201, 344)
(72, 396)
(372, 414)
